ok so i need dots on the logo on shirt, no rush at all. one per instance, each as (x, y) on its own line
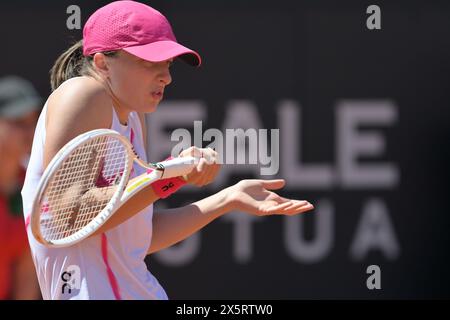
(71, 279)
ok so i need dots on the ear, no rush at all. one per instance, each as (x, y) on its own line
(100, 64)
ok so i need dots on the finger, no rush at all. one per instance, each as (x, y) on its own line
(303, 209)
(275, 197)
(208, 175)
(210, 155)
(193, 151)
(298, 209)
(189, 152)
(277, 208)
(194, 177)
(297, 203)
(205, 175)
(203, 178)
(273, 184)
(202, 164)
(212, 167)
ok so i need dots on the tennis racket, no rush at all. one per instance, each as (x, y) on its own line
(87, 181)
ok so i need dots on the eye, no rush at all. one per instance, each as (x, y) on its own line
(147, 64)
(170, 63)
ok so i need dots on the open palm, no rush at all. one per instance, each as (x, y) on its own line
(254, 196)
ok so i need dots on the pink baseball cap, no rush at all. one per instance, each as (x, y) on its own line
(137, 29)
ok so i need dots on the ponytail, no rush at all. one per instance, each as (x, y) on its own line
(72, 63)
(68, 65)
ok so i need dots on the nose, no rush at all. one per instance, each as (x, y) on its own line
(165, 76)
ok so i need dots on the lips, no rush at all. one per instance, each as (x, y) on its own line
(157, 94)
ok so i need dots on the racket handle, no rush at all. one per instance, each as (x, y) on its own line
(178, 167)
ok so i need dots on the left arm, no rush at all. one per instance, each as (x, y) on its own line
(173, 225)
(250, 196)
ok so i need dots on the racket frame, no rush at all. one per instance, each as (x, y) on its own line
(171, 168)
(51, 170)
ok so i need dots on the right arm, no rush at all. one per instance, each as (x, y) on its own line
(76, 107)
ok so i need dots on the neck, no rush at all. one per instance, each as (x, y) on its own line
(121, 110)
(122, 114)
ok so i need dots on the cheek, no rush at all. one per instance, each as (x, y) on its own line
(131, 86)
(121, 82)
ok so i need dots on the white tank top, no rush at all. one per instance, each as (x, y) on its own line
(107, 266)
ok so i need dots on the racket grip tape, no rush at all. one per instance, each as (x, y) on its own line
(177, 167)
(165, 187)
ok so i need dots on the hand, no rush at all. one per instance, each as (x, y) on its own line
(207, 168)
(254, 197)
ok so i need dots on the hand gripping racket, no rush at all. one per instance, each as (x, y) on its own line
(87, 181)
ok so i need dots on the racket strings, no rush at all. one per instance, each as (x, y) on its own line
(82, 186)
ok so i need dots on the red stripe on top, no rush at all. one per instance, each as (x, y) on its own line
(111, 276)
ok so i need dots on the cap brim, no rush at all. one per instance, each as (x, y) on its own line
(164, 50)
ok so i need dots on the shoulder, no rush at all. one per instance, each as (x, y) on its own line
(83, 98)
(79, 105)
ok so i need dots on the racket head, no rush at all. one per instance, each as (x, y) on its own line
(96, 161)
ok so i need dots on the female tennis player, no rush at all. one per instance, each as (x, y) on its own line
(110, 79)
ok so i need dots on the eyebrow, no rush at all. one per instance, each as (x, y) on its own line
(145, 61)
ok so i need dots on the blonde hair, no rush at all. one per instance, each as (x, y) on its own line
(72, 63)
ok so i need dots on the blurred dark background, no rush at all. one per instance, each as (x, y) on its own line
(319, 58)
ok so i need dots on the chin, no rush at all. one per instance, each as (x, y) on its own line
(150, 108)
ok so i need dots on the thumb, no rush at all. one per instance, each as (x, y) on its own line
(273, 184)
(201, 164)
